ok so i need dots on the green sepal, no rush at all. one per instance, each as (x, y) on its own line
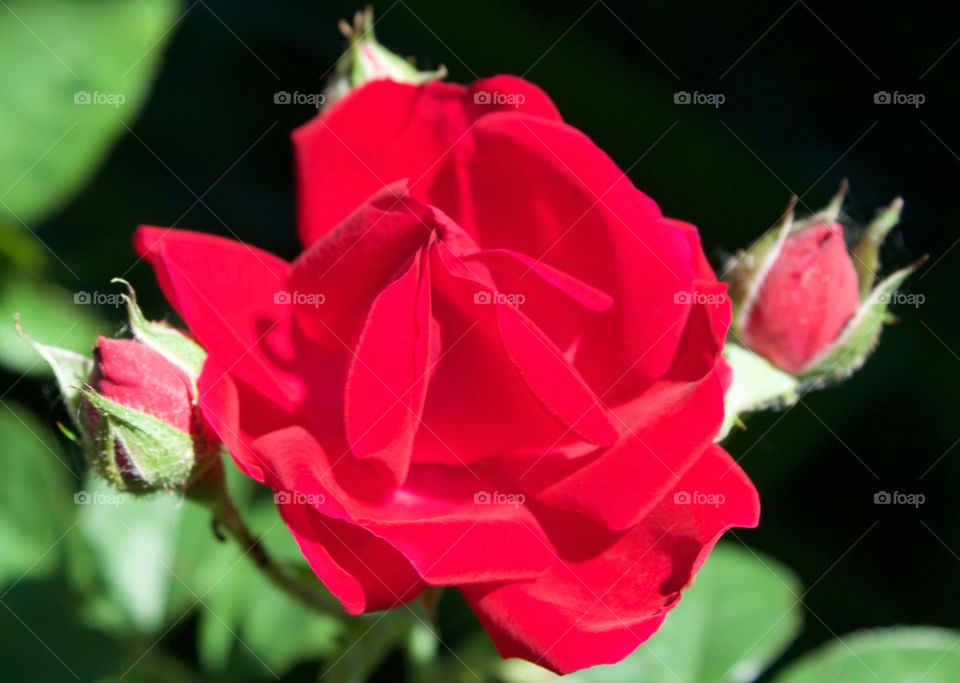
(757, 385)
(160, 455)
(860, 335)
(746, 272)
(70, 369)
(866, 251)
(163, 338)
(828, 214)
(367, 60)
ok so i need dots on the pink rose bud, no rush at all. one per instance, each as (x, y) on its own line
(134, 375)
(809, 293)
(806, 303)
(134, 407)
(141, 420)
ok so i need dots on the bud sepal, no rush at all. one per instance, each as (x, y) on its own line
(165, 339)
(140, 453)
(757, 385)
(860, 336)
(367, 60)
(805, 301)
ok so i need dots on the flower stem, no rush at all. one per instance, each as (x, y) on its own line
(283, 577)
(211, 491)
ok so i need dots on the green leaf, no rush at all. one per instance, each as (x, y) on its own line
(892, 655)
(247, 626)
(42, 639)
(36, 504)
(757, 385)
(737, 618)
(58, 54)
(49, 315)
(133, 541)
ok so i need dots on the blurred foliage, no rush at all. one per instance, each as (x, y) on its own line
(141, 589)
(895, 655)
(35, 490)
(47, 313)
(76, 73)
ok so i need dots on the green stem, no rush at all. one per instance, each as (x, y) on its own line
(282, 576)
(211, 491)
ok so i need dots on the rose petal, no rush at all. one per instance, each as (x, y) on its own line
(339, 276)
(608, 591)
(668, 426)
(364, 572)
(387, 131)
(388, 378)
(434, 519)
(227, 293)
(543, 189)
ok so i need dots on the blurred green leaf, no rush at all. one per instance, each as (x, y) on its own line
(158, 560)
(21, 249)
(133, 541)
(736, 619)
(49, 315)
(250, 628)
(43, 639)
(893, 655)
(36, 505)
(74, 74)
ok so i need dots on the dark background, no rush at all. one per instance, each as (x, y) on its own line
(799, 114)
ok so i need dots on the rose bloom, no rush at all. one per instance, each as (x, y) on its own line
(804, 301)
(491, 367)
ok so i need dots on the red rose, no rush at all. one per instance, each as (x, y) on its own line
(805, 299)
(494, 366)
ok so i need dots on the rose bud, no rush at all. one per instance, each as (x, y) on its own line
(134, 406)
(144, 429)
(805, 299)
(367, 60)
(805, 302)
